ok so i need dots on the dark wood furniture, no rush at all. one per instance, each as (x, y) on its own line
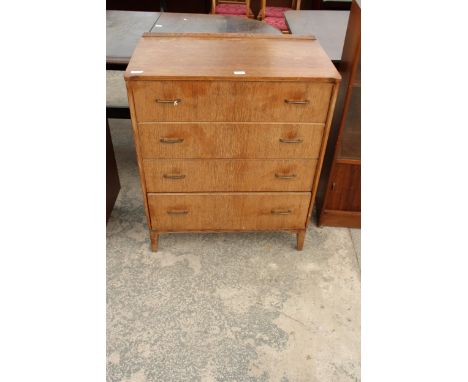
(231, 141)
(339, 196)
(329, 27)
(335, 5)
(112, 175)
(274, 15)
(232, 8)
(187, 6)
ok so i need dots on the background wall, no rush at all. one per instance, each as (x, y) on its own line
(204, 6)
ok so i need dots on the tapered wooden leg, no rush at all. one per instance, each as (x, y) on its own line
(300, 236)
(154, 241)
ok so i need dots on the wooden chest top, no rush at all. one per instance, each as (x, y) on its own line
(236, 57)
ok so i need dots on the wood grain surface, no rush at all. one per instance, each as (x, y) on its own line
(224, 101)
(215, 175)
(219, 151)
(228, 211)
(344, 191)
(230, 140)
(218, 56)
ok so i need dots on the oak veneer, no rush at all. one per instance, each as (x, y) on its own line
(204, 175)
(300, 239)
(228, 211)
(229, 101)
(220, 151)
(231, 140)
(200, 56)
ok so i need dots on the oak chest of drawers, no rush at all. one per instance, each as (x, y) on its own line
(230, 130)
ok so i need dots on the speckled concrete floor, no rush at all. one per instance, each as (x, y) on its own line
(227, 307)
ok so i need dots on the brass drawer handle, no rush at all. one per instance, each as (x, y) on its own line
(292, 102)
(177, 212)
(175, 102)
(171, 140)
(294, 140)
(174, 176)
(281, 212)
(284, 176)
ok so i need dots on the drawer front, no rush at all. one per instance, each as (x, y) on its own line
(207, 175)
(231, 101)
(239, 211)
(230, 140)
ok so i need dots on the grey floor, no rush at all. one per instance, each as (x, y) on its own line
(227, 307)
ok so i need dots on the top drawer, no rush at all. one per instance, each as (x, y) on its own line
(231, 101)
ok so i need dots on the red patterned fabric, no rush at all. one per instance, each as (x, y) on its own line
(277, 22)
(230, 9)
(276, 11)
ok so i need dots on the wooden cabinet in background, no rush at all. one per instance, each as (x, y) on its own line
(232, 141)
(339, 195)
